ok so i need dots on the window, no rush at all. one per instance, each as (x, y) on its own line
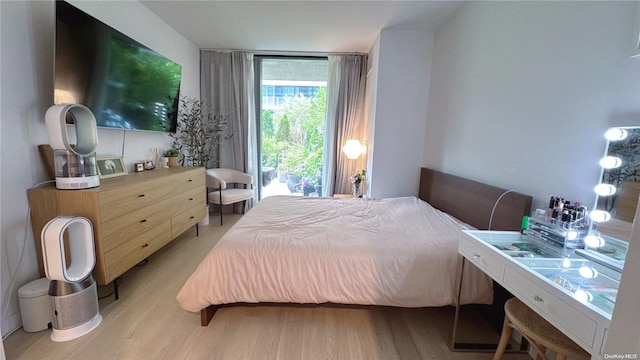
(292, 108)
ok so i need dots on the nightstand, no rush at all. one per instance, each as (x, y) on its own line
(342, 196)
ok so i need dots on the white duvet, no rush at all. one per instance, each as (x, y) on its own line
(395, 252)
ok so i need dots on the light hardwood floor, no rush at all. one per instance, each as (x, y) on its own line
(148, 323)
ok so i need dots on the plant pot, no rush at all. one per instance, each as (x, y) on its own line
(308, 190)
(173, 161)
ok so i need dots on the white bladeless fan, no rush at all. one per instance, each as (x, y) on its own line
(75, 166)
(69, 258)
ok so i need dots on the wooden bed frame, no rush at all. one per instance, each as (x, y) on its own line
(467, 200)
(473, 202)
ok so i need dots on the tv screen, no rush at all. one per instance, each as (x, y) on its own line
(125, 84)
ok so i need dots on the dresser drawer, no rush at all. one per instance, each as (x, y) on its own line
(183, 221)
(187, 200)
(565, 317)
(189, 180)
(128, 254)
(124, 228)
(482, 258)
(123, 200)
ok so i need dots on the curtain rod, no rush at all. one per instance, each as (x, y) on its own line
(288, 53)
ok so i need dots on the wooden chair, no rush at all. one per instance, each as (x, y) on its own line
(538, 331)
(225, 184)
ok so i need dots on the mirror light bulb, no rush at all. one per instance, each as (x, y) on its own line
(566, 262)
(588, 272)
(583, 296)
(616, 134)
(605, 189)
(594, 241)
(610, 162)
(600, 216)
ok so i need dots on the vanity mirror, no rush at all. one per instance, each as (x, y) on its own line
(619, 187)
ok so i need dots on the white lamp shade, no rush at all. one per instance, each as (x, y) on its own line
(353, 149)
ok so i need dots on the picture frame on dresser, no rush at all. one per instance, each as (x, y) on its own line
(110, 166)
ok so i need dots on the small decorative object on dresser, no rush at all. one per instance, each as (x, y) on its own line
(155, 153)
(173, 157)
(138, 167)
(110, 166)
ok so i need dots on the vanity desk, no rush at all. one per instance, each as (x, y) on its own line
(574, 292)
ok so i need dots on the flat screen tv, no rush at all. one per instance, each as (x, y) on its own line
(125, 84)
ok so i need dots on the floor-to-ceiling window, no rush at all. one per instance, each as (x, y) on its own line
(292, 119)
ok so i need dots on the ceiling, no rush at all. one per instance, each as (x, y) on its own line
(297, 26)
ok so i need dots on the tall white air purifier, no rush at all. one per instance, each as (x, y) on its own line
(75, 166)
(69, 257)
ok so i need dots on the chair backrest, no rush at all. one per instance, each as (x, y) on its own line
(219, 178)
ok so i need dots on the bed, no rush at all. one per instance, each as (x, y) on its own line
(399, 252)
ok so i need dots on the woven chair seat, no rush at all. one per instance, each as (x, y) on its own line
(537, 331)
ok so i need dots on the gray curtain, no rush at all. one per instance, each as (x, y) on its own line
(345, 119)
(227, 87)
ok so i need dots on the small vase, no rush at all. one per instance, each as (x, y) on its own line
(355, 190)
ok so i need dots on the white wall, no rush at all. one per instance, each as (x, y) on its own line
(27, 30)
(522, 92)
(401, 63)
(370, 108)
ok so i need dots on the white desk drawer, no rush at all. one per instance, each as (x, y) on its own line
(574, 323)
(480, 257)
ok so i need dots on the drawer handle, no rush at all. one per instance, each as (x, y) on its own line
(190, 199)
(538, 298)
(141, 195)
(191, 217)
(143, 220)
(190, 180)
(476, 256)
(145, 245)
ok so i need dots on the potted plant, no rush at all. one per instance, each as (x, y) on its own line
(173, 155)
(198, 135)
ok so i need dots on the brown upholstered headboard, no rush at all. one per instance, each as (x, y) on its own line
(472, 202)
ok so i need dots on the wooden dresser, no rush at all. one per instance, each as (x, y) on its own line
(132, 215)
